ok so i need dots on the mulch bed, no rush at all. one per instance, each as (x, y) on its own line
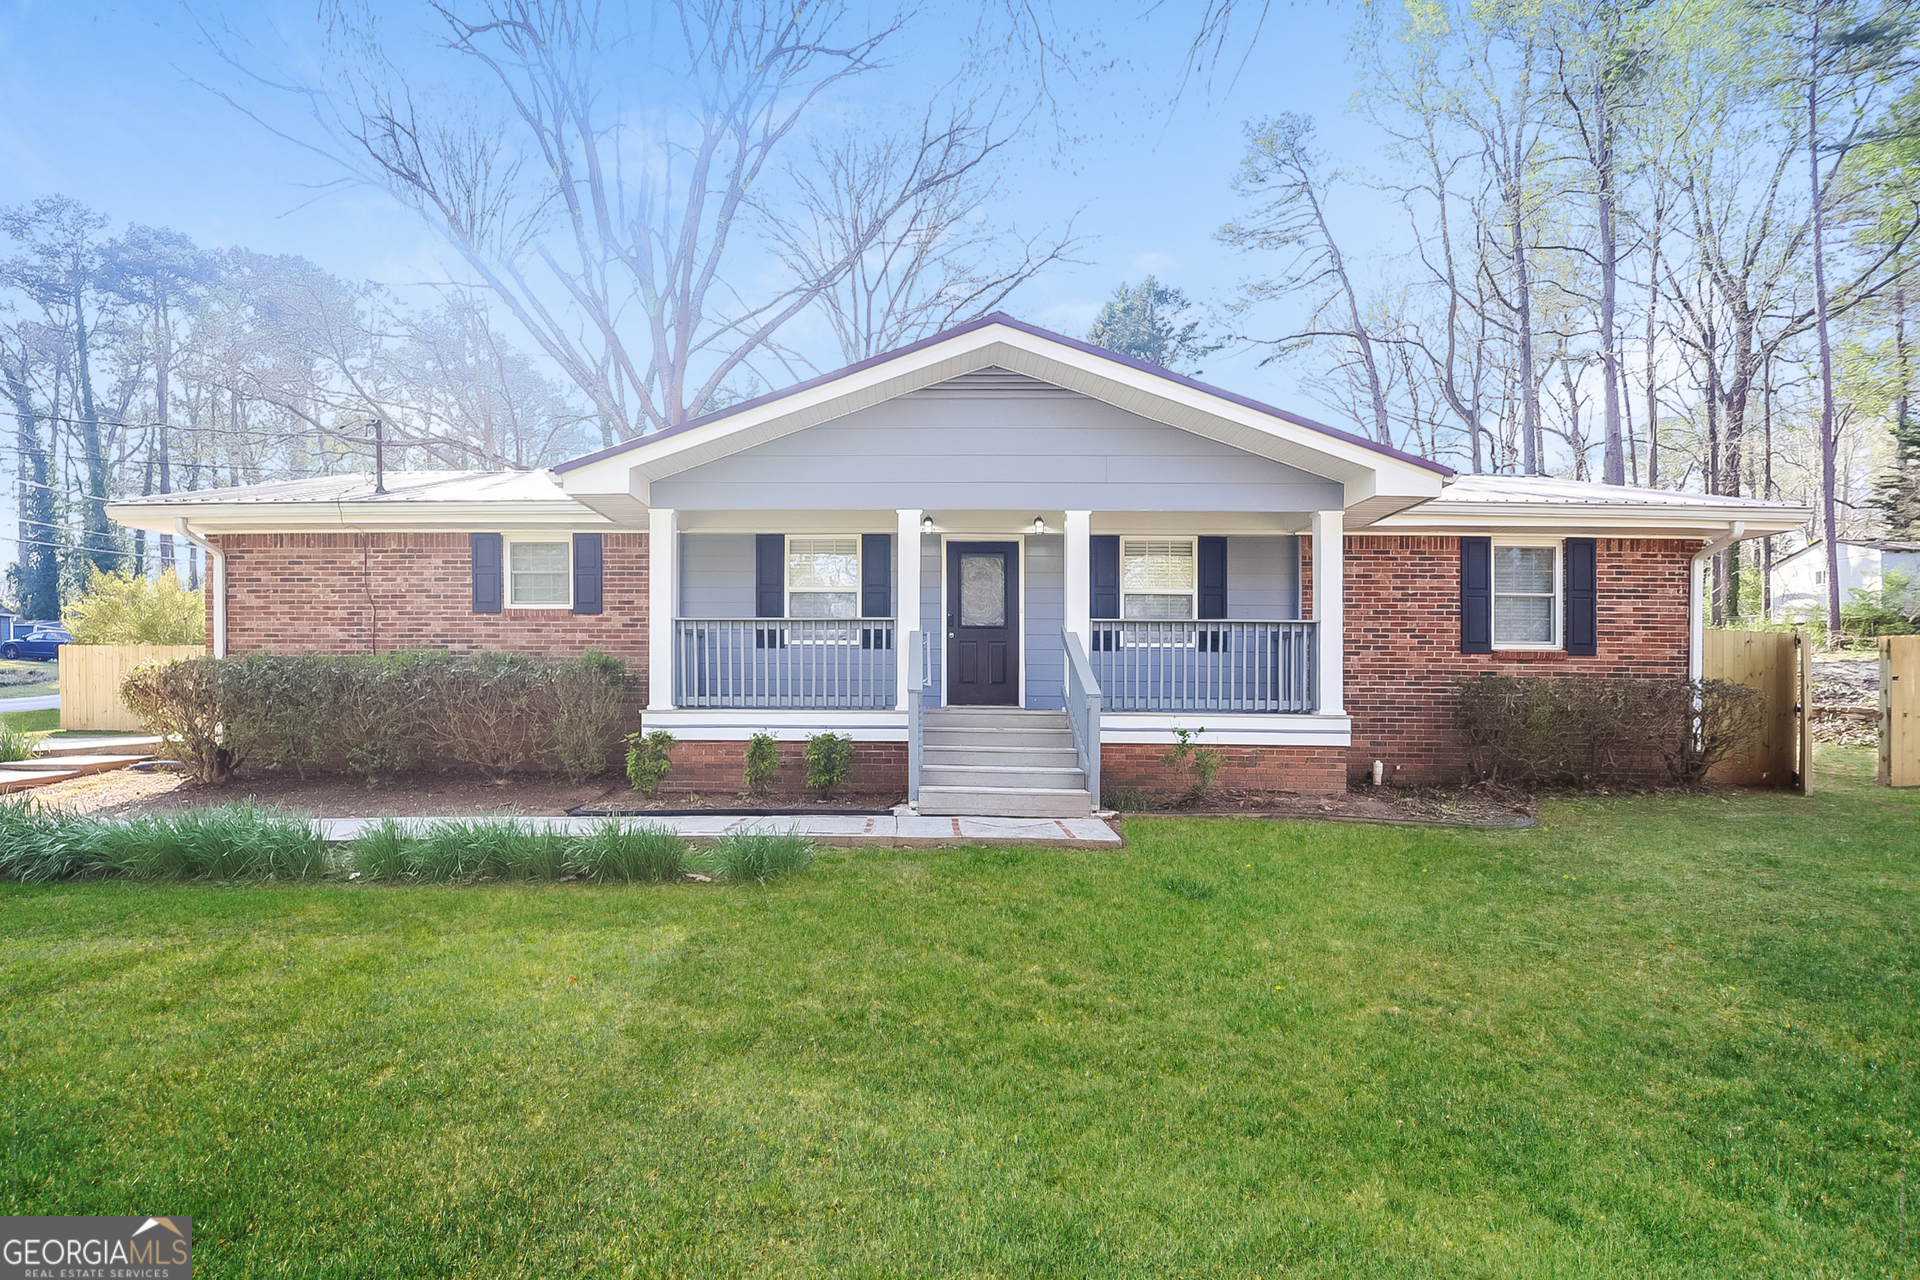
(1478, 807)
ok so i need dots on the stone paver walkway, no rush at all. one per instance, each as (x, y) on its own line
(878, 830)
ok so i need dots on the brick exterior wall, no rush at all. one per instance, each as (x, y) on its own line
(377, 592)
(360, 593)
(1315, 771)
(879, 768)
(1403, 641)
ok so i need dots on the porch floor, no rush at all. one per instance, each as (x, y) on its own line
(850, 830)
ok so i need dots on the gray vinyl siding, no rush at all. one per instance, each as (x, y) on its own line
(932, 612)
(716, 575)
(1045, 604)
(995, 452)
(1263, 578)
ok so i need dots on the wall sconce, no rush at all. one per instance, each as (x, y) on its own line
(926, 524)
(1039, 525)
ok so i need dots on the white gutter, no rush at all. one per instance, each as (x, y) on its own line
(1697, 596)
(217, 575)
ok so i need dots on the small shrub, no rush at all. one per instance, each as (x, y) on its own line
(232, 842)
(763, 762)
(1128, 800)
(211, 705)
(629, 855)
(584, 698)
(649, 758)
(39, 846)
(1205, 760)
(125, 608)
(829, 761)
(15, 744)
(740, 856)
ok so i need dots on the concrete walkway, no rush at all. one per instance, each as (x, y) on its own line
(851, 830)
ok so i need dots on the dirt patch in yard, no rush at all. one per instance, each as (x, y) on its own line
(128, 794)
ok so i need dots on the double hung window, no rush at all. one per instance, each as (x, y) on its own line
(823, 577)
(540, 575)
(1526, 596)
(1157, 579)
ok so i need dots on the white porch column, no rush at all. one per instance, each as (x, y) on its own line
(1329, 608)
(906, 603)
(1079, 603)
(663, 603)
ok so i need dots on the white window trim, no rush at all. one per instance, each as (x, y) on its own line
(1193, 594)
(859, 576)
(506, 570)
(1559, 597)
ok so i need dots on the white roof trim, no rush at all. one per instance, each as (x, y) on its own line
(624, 476)
(416, 501)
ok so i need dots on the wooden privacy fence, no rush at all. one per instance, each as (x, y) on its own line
(90, 678)
(1899, 711)
(1780, 665)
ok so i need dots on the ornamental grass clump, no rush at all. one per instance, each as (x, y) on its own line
(15, 744)
(611, 853)
(40, 846)
(232, 842)
(486, 849)
(761, 856)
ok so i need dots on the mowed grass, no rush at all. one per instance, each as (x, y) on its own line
(1653, 1037)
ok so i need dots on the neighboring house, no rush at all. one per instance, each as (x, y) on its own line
(984, 525)
(1800, 580)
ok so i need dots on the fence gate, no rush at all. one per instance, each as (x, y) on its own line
(1899, 711)
(1780, 665)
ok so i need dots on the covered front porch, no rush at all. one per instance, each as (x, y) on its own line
(1175, 613)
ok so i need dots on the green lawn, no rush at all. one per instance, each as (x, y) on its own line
(31, 721)
(1653, 1037)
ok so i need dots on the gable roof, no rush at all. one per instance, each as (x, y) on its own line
(1378, 479)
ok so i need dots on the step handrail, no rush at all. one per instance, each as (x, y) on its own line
(1083, 699)
(919, 674)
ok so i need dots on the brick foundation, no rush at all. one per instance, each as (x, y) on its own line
(1314, 771)
(878, 768)
(1403, 641)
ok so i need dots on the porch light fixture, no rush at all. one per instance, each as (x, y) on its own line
(926, 524)
(1039, 525)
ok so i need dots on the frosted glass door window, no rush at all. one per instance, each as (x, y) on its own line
(539, 571)
(823, 577)
(983, 591)
(1523, 596)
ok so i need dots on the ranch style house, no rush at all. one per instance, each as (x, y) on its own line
(1008, 564)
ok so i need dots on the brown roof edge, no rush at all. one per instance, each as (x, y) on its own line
(1000, 317)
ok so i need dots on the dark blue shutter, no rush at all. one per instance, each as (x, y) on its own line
(486, 571)
(1103, 567)
(1583, 597)
(587, 561)
(770, 575)
(876, 575)
(1476, 595)
(1213, 577)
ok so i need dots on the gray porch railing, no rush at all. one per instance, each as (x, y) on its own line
(1083, 712)
(1205, 666)
(802, 664)
(919, 675)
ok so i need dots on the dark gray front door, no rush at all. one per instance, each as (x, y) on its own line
(983, 624)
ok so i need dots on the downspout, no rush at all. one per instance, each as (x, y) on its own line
(217, 577)
(1697, 596)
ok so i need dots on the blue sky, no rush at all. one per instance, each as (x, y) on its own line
(103, 105)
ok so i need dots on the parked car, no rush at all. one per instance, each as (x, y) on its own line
(42, 644)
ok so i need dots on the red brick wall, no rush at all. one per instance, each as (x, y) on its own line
(1403, 641)
(878, 768)
(366, 593)
(1307, 770)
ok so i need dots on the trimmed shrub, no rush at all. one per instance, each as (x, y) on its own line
(829, 761)
(759, 855)
(649, 758)
(630, 855)
(1605, 730)
(763, 762)
(379, 714)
